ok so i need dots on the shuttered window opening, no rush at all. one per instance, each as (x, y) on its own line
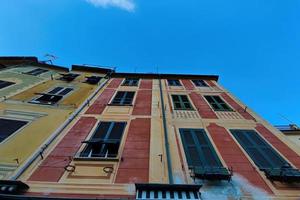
(174, 82)
(68, 77)
(123, 98)
(36, 72)
(181, 102)
(131, 82)
(105, 141)
(265, 157)
(201, 156)
(217, 103)
(4, 84)
(9, 126)
(167, 191)
(200, 83)
(93, 80)
(52, 96)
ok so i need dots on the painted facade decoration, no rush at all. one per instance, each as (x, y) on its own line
(141, 136)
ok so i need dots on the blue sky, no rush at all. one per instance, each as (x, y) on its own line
(254, 45)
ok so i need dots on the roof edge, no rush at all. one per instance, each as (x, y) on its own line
(166, 76)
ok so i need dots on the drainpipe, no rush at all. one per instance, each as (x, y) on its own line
(58, 131)
(168, 154)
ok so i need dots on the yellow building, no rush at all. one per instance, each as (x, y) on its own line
(37, 99)
(151, 136)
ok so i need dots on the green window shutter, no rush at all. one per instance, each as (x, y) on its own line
(262, 154)
(181, 102)
(198, 148)
(201, 156)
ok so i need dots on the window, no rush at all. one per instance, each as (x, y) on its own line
(123, 98)
(200, 83)
(263, 155)
(217, 103)
(4, 84)
(53, 96)
(201, 156)
(131, 82)
(37, 71)
(68, 77)
(181, 102)
(93, 80)
(105, 141)
(9, 126)
(174, 82)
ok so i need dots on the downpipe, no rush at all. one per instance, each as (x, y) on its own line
(167, 145)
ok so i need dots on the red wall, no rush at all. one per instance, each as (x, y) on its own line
(203, 108)
(146, 84)
(101, 102)
(52, 168)
(234, 156)
(135, 165)
(115, 83)
(143, 103)
(188, 84)
(237, 107)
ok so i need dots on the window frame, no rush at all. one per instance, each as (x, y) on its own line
(131, 82)
(10, 84)
(49, 92)
(36, 69)
(17, 131)
(170, 81)
(182, 103)
(90, 136)
(220, 107)
(112, 103)
(203, 83)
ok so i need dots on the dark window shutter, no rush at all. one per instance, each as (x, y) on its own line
(4, 84)
(198, 149)
(263, 155)
(9, 126)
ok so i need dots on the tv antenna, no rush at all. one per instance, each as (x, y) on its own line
(50, 58)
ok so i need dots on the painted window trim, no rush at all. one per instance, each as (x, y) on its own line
(115, 94)
(204, 86)
(219, 110)
(180, 83)
(182, 109)
(131, 80)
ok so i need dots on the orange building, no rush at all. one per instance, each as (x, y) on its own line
(162, 136)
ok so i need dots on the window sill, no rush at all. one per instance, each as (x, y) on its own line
(184, 109)
(224, 110)
(110, 104)
(96, 159)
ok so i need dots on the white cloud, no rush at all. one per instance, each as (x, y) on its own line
(123, 4)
